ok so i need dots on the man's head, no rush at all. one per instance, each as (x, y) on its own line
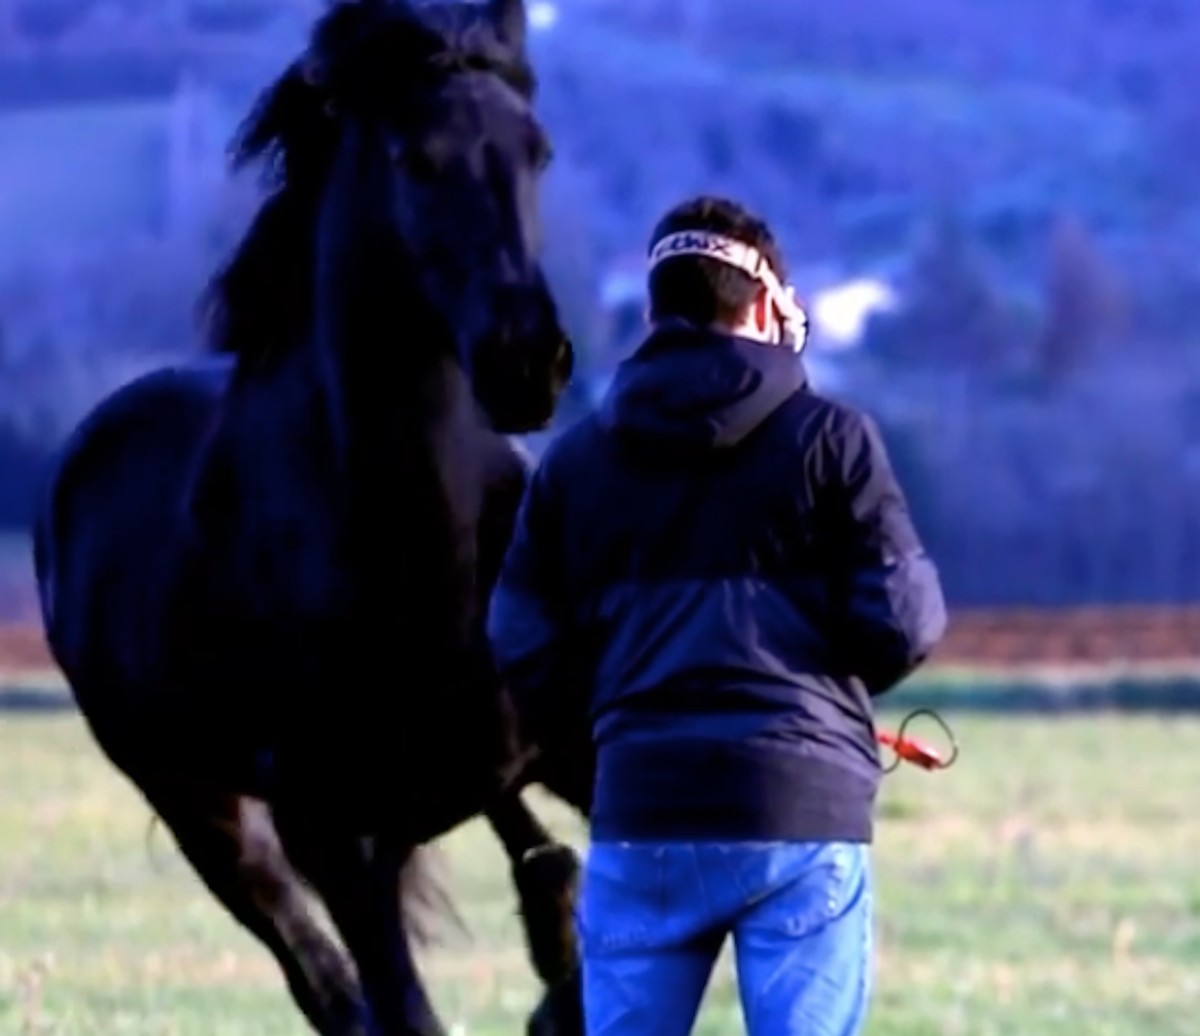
(714, 264)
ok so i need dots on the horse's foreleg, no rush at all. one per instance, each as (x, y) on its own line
(568, 775)
(232, 845)
(545, 874)
(358, 879)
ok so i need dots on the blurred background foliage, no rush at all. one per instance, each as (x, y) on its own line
(1017, 180)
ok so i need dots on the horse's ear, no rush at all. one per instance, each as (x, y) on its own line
(509, 18)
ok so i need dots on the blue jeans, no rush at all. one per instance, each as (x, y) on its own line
(653, 917)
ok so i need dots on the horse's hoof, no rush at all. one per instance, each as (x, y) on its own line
(547, 880)
(561, 1011)
(551, 864)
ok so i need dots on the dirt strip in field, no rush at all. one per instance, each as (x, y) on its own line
(1131, 640)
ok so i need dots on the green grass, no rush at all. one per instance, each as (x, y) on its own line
(1047, 884)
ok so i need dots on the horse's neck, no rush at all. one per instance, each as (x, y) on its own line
(406, 478)
(414, 456)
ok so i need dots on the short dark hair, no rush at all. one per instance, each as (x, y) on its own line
(705, 291)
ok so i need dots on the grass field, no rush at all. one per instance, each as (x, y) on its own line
(1047, 884)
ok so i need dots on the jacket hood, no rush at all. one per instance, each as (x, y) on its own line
(691, 389)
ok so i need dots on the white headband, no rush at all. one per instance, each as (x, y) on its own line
(745, 258)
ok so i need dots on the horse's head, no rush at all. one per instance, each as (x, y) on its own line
(447, 91)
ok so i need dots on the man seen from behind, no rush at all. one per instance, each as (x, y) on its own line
(720, 569)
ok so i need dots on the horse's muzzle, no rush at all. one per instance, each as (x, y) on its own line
(523, 397)
(562, 364)
(523, 364)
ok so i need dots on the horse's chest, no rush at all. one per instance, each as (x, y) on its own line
(308, 579)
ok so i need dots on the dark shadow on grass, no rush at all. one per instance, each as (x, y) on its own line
(1176, 696)
(1171, 696)
(34, 701)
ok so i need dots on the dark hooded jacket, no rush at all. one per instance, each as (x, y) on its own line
(720, 566)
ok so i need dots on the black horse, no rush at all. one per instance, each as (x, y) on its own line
(263, 574)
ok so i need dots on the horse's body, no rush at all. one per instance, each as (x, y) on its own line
(189, 533)
(264, 578)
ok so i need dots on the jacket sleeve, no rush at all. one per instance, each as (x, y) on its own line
(893, 613)
(527, 620)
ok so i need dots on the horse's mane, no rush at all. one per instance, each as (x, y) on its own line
(364, 57)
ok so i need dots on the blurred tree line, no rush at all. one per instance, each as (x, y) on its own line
(1050, 445)
(1034, 203)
